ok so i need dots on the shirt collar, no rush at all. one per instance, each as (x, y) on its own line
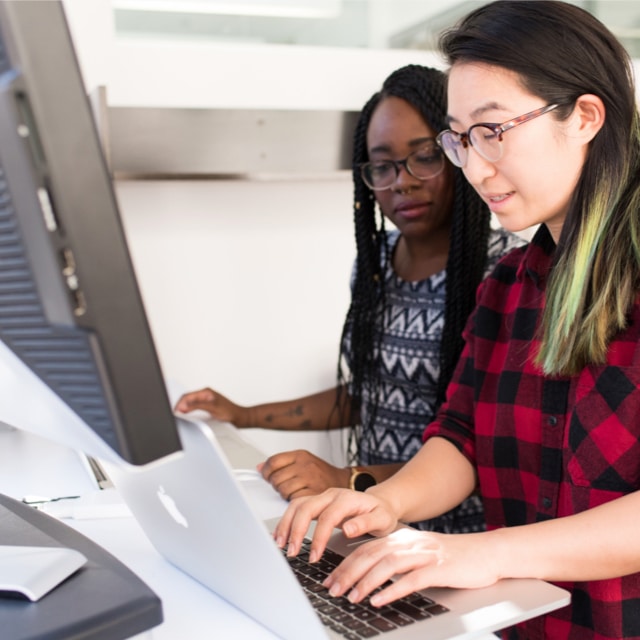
(538, 258)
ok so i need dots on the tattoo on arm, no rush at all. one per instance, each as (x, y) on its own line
(293, 412)
(296, 411)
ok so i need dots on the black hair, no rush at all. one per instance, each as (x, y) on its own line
(425, 89)
(561, 52)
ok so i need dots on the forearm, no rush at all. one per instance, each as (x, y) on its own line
(316, 411)
(597, 544)
(435, 480)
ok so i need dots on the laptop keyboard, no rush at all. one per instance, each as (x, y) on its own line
(355, 621)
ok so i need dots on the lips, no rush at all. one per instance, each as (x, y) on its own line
(412, 209)
(497, 197)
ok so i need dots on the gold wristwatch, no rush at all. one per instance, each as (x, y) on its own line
(361, 479)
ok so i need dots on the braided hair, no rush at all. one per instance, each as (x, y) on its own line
(425, 89)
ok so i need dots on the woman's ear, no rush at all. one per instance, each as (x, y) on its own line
(588, 117)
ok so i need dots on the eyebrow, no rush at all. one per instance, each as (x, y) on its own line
(385, 148)
(476, 114)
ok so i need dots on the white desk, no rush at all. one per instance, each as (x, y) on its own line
(29, 465)
(32, 466)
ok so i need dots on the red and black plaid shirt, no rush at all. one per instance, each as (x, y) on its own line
(547, 447)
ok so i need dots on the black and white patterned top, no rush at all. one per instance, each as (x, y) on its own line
(410, 360)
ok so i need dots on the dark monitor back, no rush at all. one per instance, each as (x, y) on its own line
(70, 307)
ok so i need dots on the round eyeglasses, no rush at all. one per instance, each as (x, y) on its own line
(484, 137)
(426, 163)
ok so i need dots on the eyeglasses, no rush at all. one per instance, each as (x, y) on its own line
(426, 163)
(484, 137)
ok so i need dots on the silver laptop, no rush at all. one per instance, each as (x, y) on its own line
(197, 514)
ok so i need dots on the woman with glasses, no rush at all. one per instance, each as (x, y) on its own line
(542, 415)
(413, 288)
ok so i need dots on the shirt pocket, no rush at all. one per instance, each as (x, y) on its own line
(604, 430)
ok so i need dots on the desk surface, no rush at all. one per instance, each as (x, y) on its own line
(32, 466)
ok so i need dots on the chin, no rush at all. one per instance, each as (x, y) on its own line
(510, 223)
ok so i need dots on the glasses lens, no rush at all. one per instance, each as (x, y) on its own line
(379, 175)
(453, 147)
(486, 142)
(426, 163)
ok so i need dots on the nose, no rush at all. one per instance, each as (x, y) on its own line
(477, 168)
(404, 179)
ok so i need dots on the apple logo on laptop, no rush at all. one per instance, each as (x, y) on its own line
(170, 505)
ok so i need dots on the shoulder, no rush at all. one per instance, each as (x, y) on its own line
(502, 242)
(386, 248)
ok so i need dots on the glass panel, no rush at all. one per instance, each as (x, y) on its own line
(405, 24)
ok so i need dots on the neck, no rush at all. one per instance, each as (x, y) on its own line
(417, 259)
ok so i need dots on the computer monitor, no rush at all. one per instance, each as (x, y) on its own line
(77, 358)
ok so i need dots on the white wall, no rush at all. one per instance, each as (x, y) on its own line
(246, 284)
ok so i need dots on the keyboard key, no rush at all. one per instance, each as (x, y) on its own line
(420, 601)
(411, 610)
(328, 610)
(382, 625)
(399, 619)
(315, 587)
(365, 614)
(437, 609)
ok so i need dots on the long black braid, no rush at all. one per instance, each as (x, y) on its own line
(425, 89)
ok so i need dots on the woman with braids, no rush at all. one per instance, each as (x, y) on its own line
(542, 415)
(413, 288)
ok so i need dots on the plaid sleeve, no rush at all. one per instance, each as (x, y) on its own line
(454, 420)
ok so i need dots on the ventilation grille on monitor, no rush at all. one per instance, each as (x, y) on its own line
(5, 65)
(61, 357)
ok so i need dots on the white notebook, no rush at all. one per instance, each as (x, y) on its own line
(32, 572)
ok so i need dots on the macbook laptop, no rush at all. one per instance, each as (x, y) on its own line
(198, 515)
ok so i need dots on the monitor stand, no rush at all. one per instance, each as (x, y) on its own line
(102, 600)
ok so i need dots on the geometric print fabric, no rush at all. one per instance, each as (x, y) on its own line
(413, 322)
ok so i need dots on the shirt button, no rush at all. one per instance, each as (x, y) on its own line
(547, 502)
(552, 421)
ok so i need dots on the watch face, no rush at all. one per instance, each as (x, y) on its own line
(363, 481)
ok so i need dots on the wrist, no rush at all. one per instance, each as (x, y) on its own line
(361, 479)
(244, 417)
(497, 556)
(390, 499)
(514, 553)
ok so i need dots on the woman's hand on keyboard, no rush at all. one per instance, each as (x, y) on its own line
(421, 559)
(355, 512)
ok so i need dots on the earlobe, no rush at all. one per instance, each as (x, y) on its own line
(589, 115)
